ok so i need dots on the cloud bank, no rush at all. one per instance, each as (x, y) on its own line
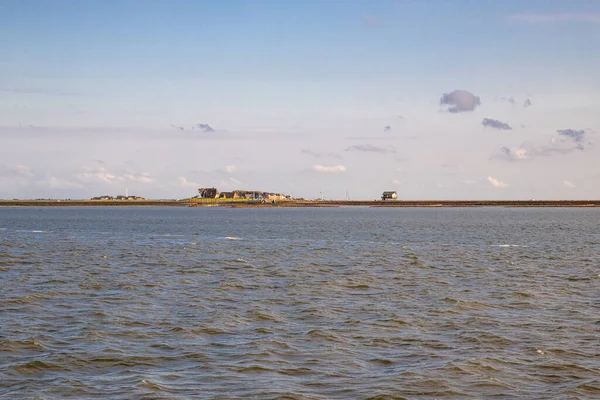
(577, 135)
(569, 140)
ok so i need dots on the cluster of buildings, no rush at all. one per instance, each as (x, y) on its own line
(119, 197)
(390, 195)
(213, 193)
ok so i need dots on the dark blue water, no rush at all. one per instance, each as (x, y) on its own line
(346, 303)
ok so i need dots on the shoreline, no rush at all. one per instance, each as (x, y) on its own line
(303, 203)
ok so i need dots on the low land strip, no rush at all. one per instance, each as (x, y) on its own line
(300, 203)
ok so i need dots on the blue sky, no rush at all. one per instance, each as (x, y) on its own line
(92, 95)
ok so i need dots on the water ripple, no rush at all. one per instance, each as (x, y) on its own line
(216, 303)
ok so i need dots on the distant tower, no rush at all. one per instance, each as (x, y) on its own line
(126, 192)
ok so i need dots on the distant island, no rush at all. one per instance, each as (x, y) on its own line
(251, 203)
(212, 197)
(118, 197)
(213, 193)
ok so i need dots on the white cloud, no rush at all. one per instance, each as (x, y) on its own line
(22, 170)
(230, 169)
(496, 183)
(185, 183)
(91, 175)
(102, 175)
(396, 182)
(569, 184)
(141, 178)
(332, 169)
(59, 183)
(468, 182)
(16, 171)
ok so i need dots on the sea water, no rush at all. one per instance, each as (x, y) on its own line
(335, 303)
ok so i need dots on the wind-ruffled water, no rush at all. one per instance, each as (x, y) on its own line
(345, 303)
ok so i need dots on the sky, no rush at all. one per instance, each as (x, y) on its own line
(434, 99)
